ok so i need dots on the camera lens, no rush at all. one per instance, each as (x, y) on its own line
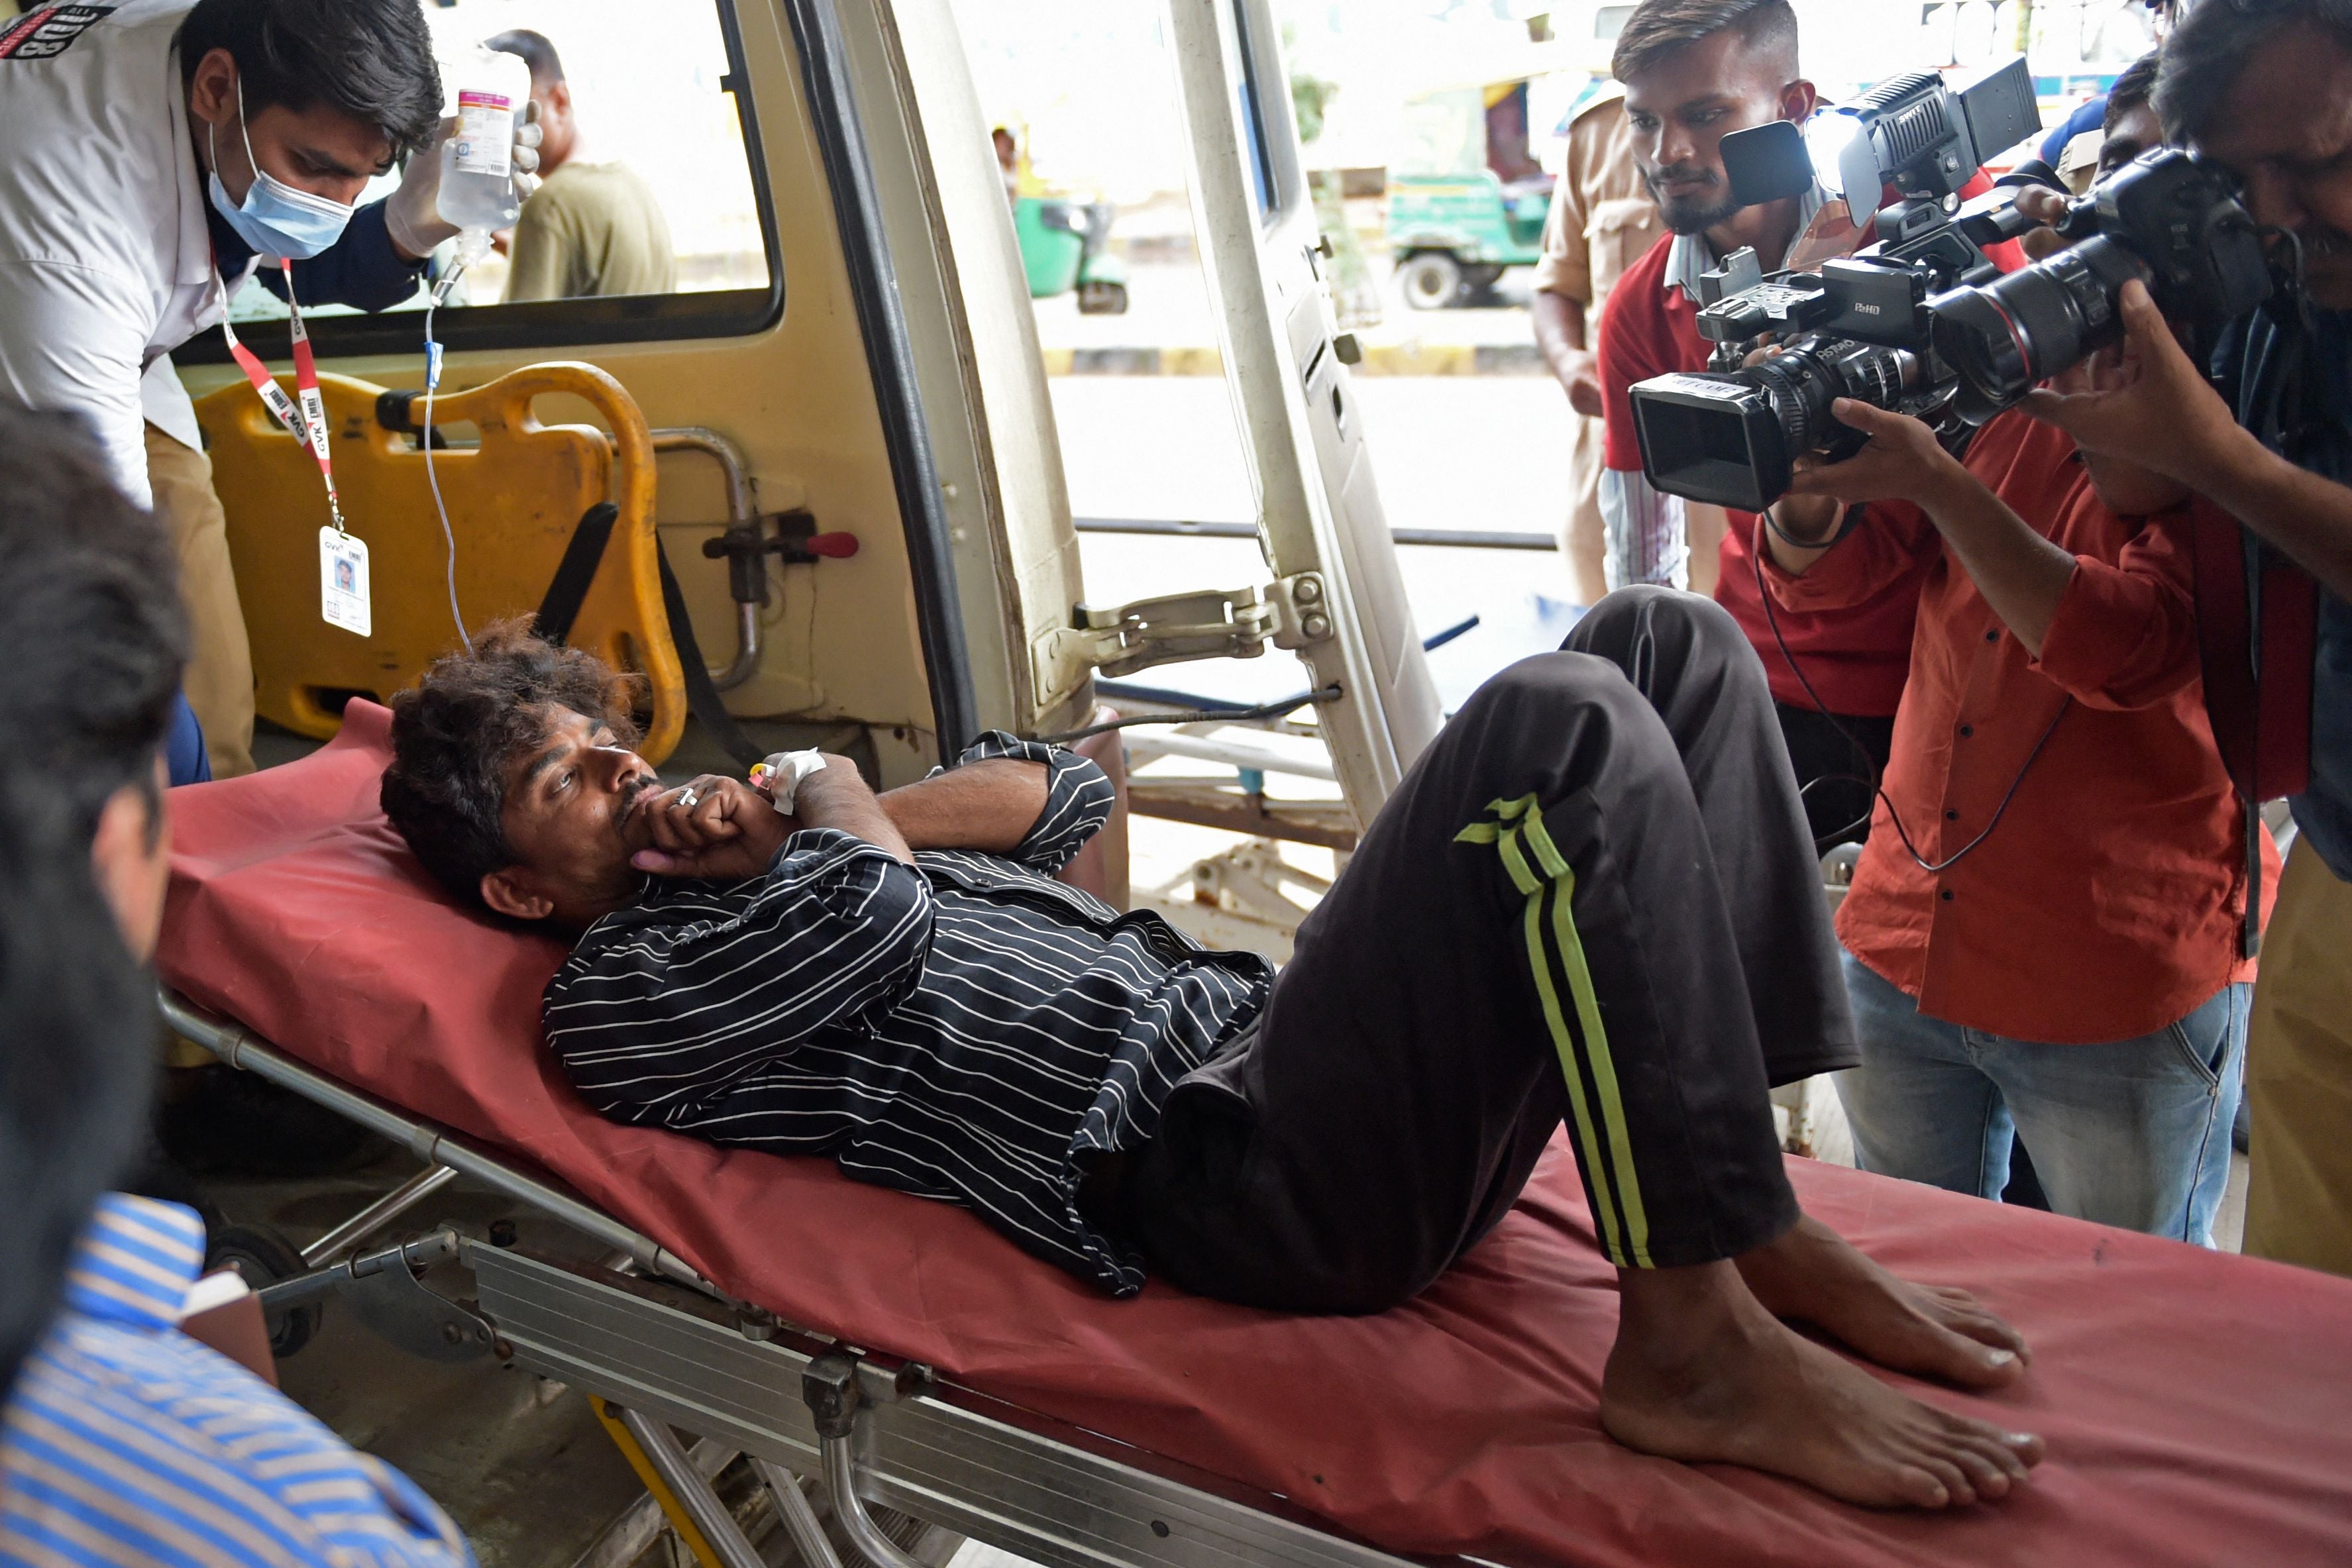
(1804, 381)
(2029, 326)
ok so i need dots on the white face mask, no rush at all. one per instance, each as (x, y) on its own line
(275, 218)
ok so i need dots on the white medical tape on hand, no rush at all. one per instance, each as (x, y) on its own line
(781, 773)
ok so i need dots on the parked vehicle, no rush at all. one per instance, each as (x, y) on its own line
(1467, 198)
(1065, 244)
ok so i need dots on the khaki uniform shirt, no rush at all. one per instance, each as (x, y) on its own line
(1601, 215)
(591, 229)
(1602, 221)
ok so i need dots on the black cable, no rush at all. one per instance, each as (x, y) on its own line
(1330, 694)
(1877, 779)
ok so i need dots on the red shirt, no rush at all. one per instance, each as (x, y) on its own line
(1856, 659)
(2106, 903)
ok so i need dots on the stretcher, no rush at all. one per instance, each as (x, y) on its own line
(2198, 1407)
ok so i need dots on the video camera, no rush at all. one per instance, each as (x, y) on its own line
(1921, 322)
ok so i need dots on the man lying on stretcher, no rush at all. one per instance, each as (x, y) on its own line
(1592, 901)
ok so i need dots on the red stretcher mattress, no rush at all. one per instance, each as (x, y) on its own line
(2198, 1407)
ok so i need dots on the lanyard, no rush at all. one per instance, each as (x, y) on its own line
(307, 424)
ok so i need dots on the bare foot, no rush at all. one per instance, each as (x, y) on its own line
(1813, 1275)
(1702, 1371)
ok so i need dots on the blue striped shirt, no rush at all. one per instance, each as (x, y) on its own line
(964, 1029)
(126, 1442)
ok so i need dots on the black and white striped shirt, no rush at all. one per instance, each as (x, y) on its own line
(962, 1028)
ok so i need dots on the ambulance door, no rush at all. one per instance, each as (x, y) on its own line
(773, 357)
(1339, 592)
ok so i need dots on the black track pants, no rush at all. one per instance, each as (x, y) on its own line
(1592, 901)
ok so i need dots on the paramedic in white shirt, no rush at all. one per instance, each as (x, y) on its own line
(157, 152)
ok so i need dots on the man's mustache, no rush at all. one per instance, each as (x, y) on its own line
(630, 794)
(1695, 173)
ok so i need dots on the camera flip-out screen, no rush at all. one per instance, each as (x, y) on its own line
(1718, 436)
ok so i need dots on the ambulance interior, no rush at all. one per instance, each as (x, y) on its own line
(853, 467)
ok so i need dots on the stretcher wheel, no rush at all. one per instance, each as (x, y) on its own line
(264, 1257)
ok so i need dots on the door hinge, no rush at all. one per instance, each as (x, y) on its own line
(1235, 624)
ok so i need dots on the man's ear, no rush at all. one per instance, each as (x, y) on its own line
(130, 856)
(1798, 99)
(212, 86)
(512, 891)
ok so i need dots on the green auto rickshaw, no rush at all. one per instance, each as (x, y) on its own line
(1065, 244)
(1467, 198)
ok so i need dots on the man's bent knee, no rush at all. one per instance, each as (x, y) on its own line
(1621, 616)
(1549, 683)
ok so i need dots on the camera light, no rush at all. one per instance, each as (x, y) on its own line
(1826, 135)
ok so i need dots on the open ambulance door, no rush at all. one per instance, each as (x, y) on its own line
(1338, 598)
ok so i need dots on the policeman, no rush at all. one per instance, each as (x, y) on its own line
(158, 151)
(1600, 223)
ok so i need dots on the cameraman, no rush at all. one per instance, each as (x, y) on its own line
(2261, 86)
(2041, 938)
(1695, 70)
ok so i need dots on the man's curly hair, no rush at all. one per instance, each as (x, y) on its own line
(457, 731)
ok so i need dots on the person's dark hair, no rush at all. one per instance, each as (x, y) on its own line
(1658, 28)
(372, 59)
(2213, 43)
(76, 1040)
(546, 68)
(2132, 88)
(456, 732)
(92, 632)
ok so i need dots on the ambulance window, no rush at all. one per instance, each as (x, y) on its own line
(1269, 143)
(654, 220)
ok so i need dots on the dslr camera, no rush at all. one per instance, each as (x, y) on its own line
(1921, 322)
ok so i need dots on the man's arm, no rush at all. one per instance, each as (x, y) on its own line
(1563, 287)
(1560, 335)
(1024, 799)
(68, 340)
(2022, 575)
(2305, 515)
(988, 805)
(2168, 418)
(838, 798)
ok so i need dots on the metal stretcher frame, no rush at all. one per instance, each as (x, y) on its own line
(665, 1348)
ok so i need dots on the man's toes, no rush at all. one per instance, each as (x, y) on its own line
(1987, 1475)
(1948, 1476)
(1997, 1450)
(1966, 1359)
(1917, 1484)
(2014, 1452)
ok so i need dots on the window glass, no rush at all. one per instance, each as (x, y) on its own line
(1243, 69)
(649, 187)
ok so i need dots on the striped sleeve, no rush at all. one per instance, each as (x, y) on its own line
(1645, 538)
(650, 1016)
(1078, 799)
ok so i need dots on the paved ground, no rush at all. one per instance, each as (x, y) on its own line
(1168, 329)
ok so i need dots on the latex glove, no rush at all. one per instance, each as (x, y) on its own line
(412, 214)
